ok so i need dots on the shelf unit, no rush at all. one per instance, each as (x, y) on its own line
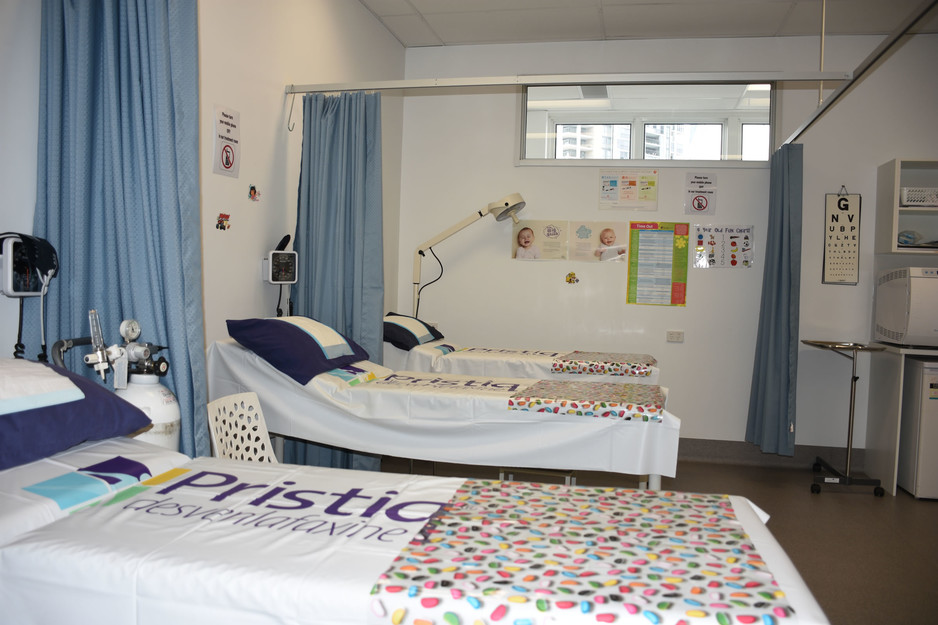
(893, 218)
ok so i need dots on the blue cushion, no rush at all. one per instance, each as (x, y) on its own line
(299, 347)
(404, 332)
(40, 432)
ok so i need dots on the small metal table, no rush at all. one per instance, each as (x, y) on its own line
(847, 350)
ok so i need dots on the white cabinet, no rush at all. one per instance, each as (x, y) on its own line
(906, 201)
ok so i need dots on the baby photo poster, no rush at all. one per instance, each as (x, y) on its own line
(585, 241)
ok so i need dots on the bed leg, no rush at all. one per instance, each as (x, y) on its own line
(277, 443)
(654, 482)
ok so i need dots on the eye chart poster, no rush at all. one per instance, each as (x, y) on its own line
(841, 238)
(658, 263)
(633, 189)
(723, 247)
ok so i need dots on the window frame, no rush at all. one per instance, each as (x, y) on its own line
(732, 130)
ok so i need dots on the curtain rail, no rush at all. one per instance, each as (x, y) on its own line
(911, 20)
(571, 79)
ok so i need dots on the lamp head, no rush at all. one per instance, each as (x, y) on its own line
(507, 207)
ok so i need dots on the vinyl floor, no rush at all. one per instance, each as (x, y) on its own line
(867, 560)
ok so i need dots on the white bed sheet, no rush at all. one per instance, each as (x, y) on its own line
(442, 427)
(39, 492)
(499, 363)
(225, 542)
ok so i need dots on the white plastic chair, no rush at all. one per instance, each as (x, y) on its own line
(238, 430)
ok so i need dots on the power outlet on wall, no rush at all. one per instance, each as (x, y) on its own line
(675, 336)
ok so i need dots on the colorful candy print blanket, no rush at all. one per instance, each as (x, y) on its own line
(446, 357)
(225, 541)
(605, 363)
(592, 399)
(531, 553)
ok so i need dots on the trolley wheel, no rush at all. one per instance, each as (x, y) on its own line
(817, 467)
(879, 491)
(815, 488)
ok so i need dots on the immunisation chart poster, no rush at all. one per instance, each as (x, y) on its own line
(634, 189)
(658, 263)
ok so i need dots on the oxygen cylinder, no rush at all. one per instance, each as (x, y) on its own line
(157, 402)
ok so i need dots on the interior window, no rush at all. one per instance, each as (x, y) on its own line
(654, 122)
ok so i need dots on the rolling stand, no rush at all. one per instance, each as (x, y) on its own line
(833, 476)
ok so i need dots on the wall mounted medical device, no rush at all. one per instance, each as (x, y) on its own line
(279, 266)
(27, 264)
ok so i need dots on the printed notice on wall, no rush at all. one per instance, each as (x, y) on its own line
(227, 142)
(633, 189)
(701, 194)
(718, 247)
(841, 238)
(658, 263)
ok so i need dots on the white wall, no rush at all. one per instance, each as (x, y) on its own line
(458, 155)
(249, 52)
(888, 114)
(19, 127)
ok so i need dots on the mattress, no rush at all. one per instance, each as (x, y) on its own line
(234, 542)
(442, 356)
(39, 492)
(446, 418)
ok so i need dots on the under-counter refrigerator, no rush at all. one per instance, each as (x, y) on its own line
(918, 436)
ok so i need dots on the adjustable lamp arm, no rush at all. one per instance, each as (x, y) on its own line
(505, 208)
(423, 247)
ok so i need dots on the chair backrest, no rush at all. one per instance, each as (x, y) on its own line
(238, 431)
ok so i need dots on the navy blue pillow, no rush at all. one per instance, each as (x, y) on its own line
(299, 347)
(405, 332)
(40, 432)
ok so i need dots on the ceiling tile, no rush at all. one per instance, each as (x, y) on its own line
(473, 6)
(384, 8)
(847, 17)
(518, 26)
(457, 22)
(412, 31)
(696, 19)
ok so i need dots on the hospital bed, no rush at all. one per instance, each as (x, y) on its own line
(479, 420)
(410, 344)
(221, 541)
(62, 445)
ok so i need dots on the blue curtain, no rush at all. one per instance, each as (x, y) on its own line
(339, 236)
(771, 423)
(118, 183)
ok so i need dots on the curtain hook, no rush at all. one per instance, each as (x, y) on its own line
(290, 117)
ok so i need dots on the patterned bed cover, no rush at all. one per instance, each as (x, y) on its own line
(592, 399)
(533, 553)
(605, 363)
(225, 541)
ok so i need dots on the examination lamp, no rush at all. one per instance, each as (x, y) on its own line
(503, 209)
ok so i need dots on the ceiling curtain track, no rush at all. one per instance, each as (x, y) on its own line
(534, 80)
(911, 20)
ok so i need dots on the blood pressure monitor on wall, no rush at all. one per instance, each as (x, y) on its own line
(280, 267)
(27, 264)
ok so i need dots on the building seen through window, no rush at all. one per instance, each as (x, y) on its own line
(653, 122)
